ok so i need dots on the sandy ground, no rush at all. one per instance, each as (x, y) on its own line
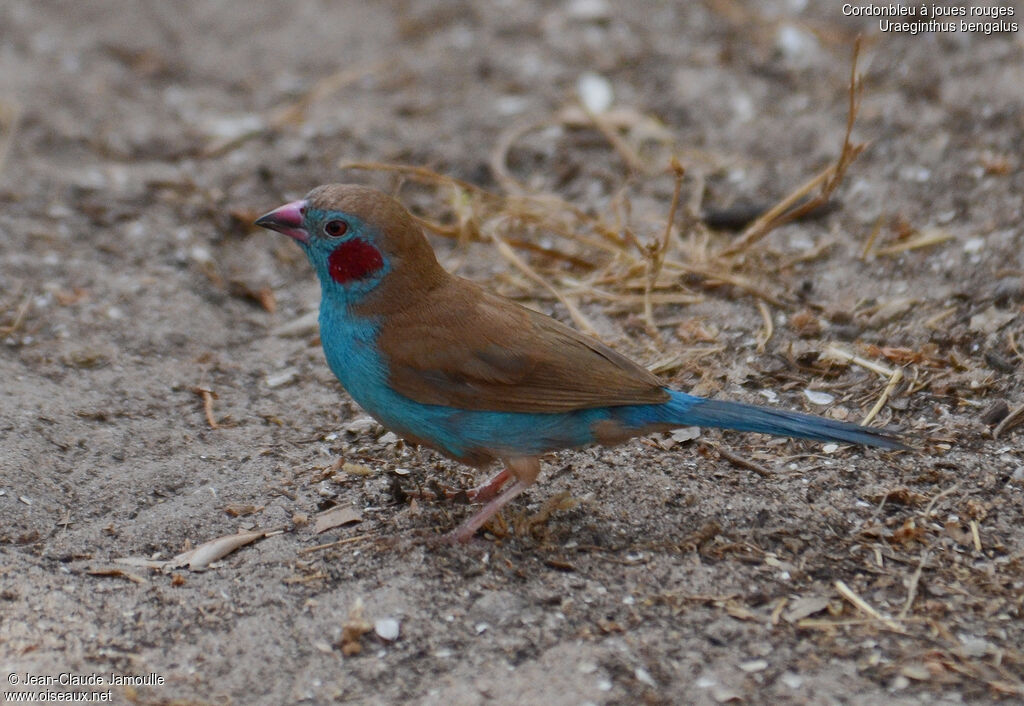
(138, 144)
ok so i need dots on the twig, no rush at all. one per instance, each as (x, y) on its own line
(894, 380)
(593, 293)
(346, 540)
(737, 281)
(656, 255)
(871, 238)
(628, 154)
(944, 493)
(769, 327)
(834, 352)
(915, 579)
(740, 461)
(1012, 419)
(934, 321)
(208, 398)
(1013, 345)
(933, 237)
(499, 155)
(19, 317)
(865, 607)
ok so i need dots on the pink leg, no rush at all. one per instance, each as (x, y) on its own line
(467, 529)
(525, 471)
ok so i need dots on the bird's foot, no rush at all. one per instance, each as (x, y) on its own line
(480, 494)
(464, 532)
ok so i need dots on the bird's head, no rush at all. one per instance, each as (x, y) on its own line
(356, 239)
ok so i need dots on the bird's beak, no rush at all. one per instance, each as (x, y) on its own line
(286, 219)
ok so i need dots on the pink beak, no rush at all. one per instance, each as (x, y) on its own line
(286, 219)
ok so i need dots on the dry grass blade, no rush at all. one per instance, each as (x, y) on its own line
(769, 327)
(865, 607)
(894, 380)
(628, 154)
(656, 255)
(499, 155)
(740, 461)
(792, 207)
(1012, 341)
(840, 354)
(578, 318)
(1012, 419)
(915, 580)
(926, 239)
(595, 294)
(208, 397)
(117, 573)
(976, 535)
(872, 237)
(713, 276)
(928, 510)
(19, 317)
(338, 543)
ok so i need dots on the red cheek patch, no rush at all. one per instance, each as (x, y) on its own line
(353, 260)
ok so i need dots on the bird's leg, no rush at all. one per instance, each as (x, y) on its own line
(525, 471)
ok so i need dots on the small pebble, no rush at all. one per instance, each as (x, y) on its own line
(595, 92)
(818, 397)
(386, 629)
(361, 425)
(282, 378)
(793, 681)
(644, 677)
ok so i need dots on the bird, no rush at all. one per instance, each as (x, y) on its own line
(447, 364)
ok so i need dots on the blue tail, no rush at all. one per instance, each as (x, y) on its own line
(688, 410)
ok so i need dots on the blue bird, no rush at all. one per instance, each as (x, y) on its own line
(446, 364)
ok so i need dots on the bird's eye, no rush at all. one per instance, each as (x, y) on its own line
(335, 228)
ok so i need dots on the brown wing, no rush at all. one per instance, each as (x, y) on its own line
(463, 347)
